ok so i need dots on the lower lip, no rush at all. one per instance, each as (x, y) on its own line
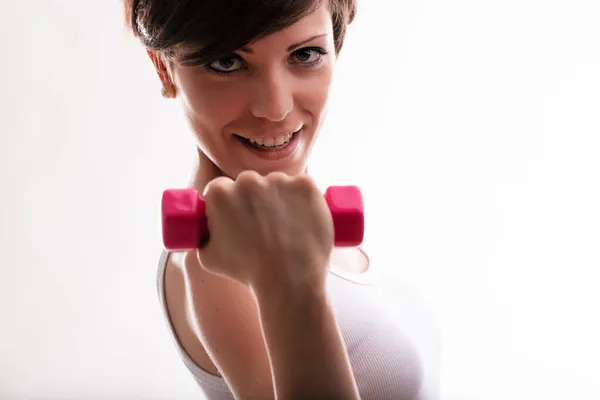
(273, 155)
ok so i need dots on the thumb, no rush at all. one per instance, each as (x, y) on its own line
(207, 252)
(203, 251)
(207, 172)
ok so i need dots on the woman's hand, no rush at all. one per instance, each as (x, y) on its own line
(268, 230)
(275, 234)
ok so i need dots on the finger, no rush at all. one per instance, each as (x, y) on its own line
(279, 178)
(215, 196)
(249, 180)
(218, 186)
(306, 186)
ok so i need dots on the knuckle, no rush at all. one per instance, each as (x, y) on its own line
(305, 184)
(218, 188)
(250, 186)
(278, 178)
(248, 180)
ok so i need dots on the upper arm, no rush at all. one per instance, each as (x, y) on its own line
(217, 323)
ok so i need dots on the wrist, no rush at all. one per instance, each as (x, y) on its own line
(290, 300)
(290, 291)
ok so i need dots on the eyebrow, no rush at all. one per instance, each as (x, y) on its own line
(291, 48)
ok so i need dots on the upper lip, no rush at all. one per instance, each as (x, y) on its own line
(268, 134)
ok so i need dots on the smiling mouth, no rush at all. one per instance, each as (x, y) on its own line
(269, 144)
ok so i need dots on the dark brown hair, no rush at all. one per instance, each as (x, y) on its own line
(194, 32)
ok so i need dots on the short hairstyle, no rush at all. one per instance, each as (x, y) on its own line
(194, 32)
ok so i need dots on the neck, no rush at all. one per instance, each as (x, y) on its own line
(203, 172)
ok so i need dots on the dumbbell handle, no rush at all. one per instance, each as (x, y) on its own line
(185, 226)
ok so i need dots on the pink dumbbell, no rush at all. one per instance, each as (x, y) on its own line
(185, 227)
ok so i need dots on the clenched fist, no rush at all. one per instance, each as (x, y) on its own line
(267, 230)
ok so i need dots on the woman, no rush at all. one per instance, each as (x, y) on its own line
(259, 312)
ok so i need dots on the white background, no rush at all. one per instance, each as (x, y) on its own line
(471, 126)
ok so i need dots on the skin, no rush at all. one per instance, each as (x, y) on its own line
(271, 89)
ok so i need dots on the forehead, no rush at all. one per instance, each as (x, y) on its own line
(317, 23)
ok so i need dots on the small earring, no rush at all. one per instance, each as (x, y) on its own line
(168, 92)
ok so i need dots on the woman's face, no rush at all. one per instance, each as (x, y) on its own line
(261, 108)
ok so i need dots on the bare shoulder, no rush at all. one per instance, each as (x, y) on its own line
(217, 323)
(177, 298)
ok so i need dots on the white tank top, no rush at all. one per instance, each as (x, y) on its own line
(392, 357)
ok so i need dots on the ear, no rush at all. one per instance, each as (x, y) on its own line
(161, 68)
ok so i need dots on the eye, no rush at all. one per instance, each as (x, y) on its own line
(226, 65)
(309, 55)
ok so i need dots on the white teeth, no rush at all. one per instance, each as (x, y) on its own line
(272, 142)
(280, 140)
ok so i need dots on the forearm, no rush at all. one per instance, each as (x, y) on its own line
(306, 350)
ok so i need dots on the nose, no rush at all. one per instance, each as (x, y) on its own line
(273, 97)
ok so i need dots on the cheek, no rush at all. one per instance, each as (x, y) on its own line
(314, 94)
(208, 105)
